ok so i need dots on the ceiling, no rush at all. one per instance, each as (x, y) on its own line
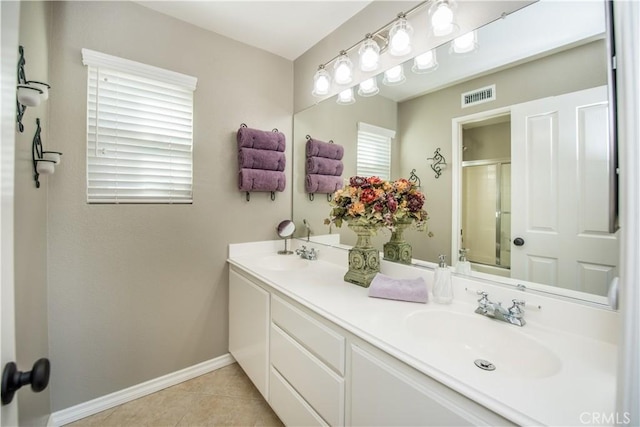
(285, 28)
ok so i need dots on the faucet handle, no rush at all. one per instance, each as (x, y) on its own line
(484, 298)
(517, 309)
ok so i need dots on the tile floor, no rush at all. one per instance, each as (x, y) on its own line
(225, 397)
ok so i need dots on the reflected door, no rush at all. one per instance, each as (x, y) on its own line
(560, 195)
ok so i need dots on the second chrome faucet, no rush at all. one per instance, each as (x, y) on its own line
(513, 315)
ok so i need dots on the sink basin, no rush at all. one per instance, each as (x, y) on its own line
(468, 337)
(283, 262)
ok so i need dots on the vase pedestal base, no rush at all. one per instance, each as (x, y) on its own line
(364, 264)
(397, 252)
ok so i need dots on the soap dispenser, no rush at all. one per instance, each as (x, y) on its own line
(442, 289)
(463, 266)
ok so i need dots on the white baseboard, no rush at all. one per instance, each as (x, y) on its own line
(100, 404)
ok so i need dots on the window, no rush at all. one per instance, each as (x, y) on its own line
(139, 132)
(374, 151)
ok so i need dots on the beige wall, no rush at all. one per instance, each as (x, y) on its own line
(424, 124)
(330, 121)
(139, 291)
(30, 220)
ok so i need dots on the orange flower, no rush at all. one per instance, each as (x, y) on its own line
(356, 208)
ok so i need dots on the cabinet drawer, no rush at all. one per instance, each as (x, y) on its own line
(289, 405)
(324, 343)
(322, 388)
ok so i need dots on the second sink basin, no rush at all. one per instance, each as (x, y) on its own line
(471, 336)
(283, 262)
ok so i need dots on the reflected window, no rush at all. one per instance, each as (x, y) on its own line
(374, 151)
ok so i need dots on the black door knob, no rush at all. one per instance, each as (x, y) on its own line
(518, 241)
(12, 379)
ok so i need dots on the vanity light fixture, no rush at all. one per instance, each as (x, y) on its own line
(343, 69)
(346, 97)
(425, 63)
(369, 54)
(400, 36)
(442, 18)
(466, 43)
(394, 76)
(368, 87)
(321, 82)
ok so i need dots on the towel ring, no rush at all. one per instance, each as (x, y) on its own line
(308, 137)
(329, 197)
(275, 130)
(243, 125)
(311, 197)
(331, 141)
(248, 196)
(273, 195)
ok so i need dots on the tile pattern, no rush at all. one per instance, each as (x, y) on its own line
(225, 397)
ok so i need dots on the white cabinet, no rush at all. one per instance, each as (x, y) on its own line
(249, 329)
(308, 362)
(386, 392)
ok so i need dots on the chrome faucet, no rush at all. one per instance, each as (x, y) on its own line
(513, 315)
(306, 226)
(310, 254)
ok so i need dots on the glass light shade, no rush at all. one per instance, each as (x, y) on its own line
(321, 82)
(368, 87)
(343, 70)
(425, 63)
(29, 96)
(369, 53)
(44, 167)
(442, 17)
(394, 76)
(465, 43)
(400, 38)
(346, 97)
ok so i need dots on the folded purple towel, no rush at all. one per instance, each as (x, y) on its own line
(322, 183)
(261, 139)
(261, 180)
(324, 149)
(324, 166)
(250, 158)
(413, 290)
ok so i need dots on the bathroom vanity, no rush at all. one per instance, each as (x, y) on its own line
(322, 352)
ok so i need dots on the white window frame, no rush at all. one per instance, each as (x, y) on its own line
(374, 151)
(141, 149)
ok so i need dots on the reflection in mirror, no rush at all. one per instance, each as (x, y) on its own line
(519, 66)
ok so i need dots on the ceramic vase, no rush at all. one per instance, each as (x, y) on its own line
(397, 249)
(364, 259)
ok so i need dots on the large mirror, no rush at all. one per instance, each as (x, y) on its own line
(530, 168)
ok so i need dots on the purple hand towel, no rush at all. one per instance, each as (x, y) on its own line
(250, 158)
(413, 290)
(324, 166)
(324, 149)
(261, 180)
(261, 139)
(322, 183)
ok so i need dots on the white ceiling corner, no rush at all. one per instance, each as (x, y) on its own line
(285, 28)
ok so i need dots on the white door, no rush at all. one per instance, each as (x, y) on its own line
(560, 194)
(9, 18)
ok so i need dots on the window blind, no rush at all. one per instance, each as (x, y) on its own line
(374, 151)
(139, 133)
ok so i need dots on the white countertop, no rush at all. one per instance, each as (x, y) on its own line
(579, 336)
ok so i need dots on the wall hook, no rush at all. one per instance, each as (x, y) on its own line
(438, 163)
(415, 178)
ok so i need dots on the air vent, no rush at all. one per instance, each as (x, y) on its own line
(479, 96)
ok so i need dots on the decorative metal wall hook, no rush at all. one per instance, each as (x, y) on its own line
(438, 163)
(312, 196)
(415, 178)
(38, 154)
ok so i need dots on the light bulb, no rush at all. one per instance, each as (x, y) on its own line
(343, 69)
(425, 62)
(400, 37)
(394, 75)
(442, 19)
(321, 82)
(369, 54)
(465, 43)
(368, 87)
(346, 97)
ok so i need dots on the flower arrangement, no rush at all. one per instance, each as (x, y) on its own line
(378, 203)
